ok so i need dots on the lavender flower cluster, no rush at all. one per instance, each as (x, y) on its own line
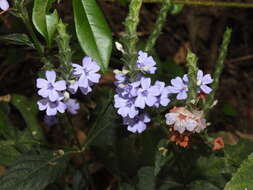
(132, 97)
(56, 93)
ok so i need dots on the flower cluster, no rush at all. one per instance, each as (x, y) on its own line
(55, 93)
(4, 5)
(184, 123)
(133, 97)
(183, 120)
(180, 85)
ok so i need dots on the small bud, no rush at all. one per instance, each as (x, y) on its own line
(61, 152)
(215, 102)
(119, 47)
(34, 133)
(66, 95)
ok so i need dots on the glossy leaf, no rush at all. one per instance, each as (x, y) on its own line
(92, 31)
(39, 16)
(51, 21)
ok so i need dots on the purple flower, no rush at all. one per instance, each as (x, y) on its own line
(50, 120)
(72, 106)
(178, 87)
(137, 124)
(146, 63)
(146, 95)
(50, 88)
(126, 106)
(86, 74)
(51, 107)
(72, 86)
(4, 5)
(121, 79)
(163, 98)
(202, 81)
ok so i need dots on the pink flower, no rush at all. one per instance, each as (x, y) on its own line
(183, 120)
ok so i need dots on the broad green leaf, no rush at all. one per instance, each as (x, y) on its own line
(162, 156)
(235, 154)
(212, 169)
(92, 31)
(34, 171)
(17, 39)
(243, 178)
(8, 152)
(146, 179)
(51, 21)
(28, 110)
(39, 16)
(202, 185)
(126, 186)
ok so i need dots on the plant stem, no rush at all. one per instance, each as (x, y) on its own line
(159, 25)
(218, 69)
(130, 38)
(192, 77)
(203, 3)
(36, 42)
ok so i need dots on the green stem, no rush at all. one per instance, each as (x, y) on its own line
(218, 69)
(159, 25)
(192, 77)
(130, 39)
(35, 40)
(203, 3)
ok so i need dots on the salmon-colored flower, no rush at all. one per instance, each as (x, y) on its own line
(218, 143)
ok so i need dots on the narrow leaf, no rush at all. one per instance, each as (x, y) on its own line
(39, 16)
(51, 21)
(92, 31)
(17, 39)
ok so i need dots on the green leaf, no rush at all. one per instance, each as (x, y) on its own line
(212, 169)
(92, 31)
(34, 171)
(8, 153)
(161, 156)
(39, 16)
(235, 154)
(202, 185)
(28, 110)
(146, 179)
(17, 39)
(242, 179)
(176, 8)
(51, 21)
(228, 109)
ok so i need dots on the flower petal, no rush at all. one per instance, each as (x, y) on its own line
(41, 83)
(60, 85)
(51, 76)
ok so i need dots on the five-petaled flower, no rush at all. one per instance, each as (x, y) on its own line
(50, 88)
(137, 124)
(86, 75)
(146, 63)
